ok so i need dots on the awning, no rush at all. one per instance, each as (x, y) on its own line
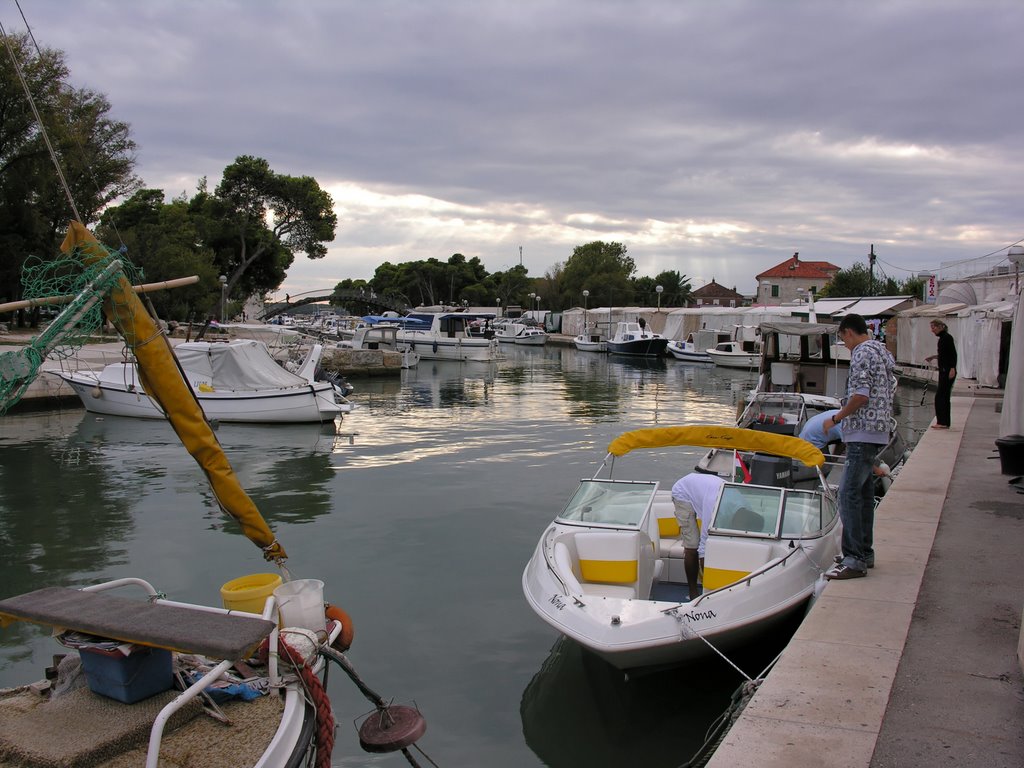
(872, 307)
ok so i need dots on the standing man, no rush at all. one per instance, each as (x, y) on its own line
(947, 373)
(866, 417)
(694, 496)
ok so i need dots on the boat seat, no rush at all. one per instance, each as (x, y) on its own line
(609, 563)
(215, 635)
(728, 560)
(669, 543)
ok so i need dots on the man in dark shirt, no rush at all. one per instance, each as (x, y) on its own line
(947, 373)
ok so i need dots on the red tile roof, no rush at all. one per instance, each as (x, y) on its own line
(794, 266)
(714, 290)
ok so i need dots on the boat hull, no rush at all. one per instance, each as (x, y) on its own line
(116, 391)
(635, 633)
(649, 347)
(735, 359)
(687, 353)
(430, 347)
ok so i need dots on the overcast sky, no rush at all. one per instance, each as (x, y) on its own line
(714, 137)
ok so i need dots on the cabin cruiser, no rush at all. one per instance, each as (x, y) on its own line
(446, 336)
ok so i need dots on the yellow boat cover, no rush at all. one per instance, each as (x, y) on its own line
(710, 436)
(163, 381)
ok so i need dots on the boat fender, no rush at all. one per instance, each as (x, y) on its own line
(344, 640)
(96, 392)
(435, 346)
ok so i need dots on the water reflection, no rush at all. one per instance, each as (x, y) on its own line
(78, 510)
(285, 468)
(579, 711)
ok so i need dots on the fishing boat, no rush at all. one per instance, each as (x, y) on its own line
(143, 675)
(634, 338)
(447, 336)
(687, 351)
(735, 354)
(236, 381)
(530, 336)
(590, 342)
(608, 571)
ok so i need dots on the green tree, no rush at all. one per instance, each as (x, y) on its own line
(602, 268)
(95, 153)
(858, 281)
(162, 240)
(677, 288)
(257, 220)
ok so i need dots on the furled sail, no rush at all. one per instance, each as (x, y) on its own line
(163, 381)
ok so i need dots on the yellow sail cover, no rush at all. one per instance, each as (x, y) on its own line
(163, 381)
(710, 436)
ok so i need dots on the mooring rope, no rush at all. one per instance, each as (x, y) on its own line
(321, 702)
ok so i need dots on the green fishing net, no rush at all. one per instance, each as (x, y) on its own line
(81, 317)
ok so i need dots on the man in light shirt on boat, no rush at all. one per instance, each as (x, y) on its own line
(694, 496)
(814, 431)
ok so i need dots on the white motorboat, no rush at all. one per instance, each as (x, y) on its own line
(608, 571)
(446, 336)
(687, 351)
(634, 338)
(734, 354)
(590, 342)
(236, 381)
(531, 337)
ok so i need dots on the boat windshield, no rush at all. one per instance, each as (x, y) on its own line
(764, 511)
(610, 502)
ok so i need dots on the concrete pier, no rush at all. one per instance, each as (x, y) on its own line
(915, 665)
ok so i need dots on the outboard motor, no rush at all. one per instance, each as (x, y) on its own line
(776, 471)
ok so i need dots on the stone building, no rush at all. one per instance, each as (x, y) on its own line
(793, 280)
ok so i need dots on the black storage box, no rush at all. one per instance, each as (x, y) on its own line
(1011, 454)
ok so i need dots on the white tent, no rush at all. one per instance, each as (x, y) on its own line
(1011, 422)
(976, 329)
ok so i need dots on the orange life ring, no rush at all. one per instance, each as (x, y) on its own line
(344, 640)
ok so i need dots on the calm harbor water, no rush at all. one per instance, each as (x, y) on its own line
(419, 517)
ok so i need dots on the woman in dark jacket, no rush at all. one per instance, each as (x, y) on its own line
(947, 373)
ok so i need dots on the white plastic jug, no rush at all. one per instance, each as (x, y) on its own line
(301, 604)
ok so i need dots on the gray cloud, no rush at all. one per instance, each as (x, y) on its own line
(713, 138)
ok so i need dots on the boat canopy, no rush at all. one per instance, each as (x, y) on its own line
(797, 329)
(709, 436)
(239, 365)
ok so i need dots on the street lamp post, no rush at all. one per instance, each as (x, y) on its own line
(498, 300)
(586, 294)
(658, 289)
(223, 296)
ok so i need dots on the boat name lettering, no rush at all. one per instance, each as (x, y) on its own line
(699, 615)
(558, 602)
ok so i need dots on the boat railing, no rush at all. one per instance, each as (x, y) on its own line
(198, 688)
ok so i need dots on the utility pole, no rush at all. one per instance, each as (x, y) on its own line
(871, 271)
(520, 255)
